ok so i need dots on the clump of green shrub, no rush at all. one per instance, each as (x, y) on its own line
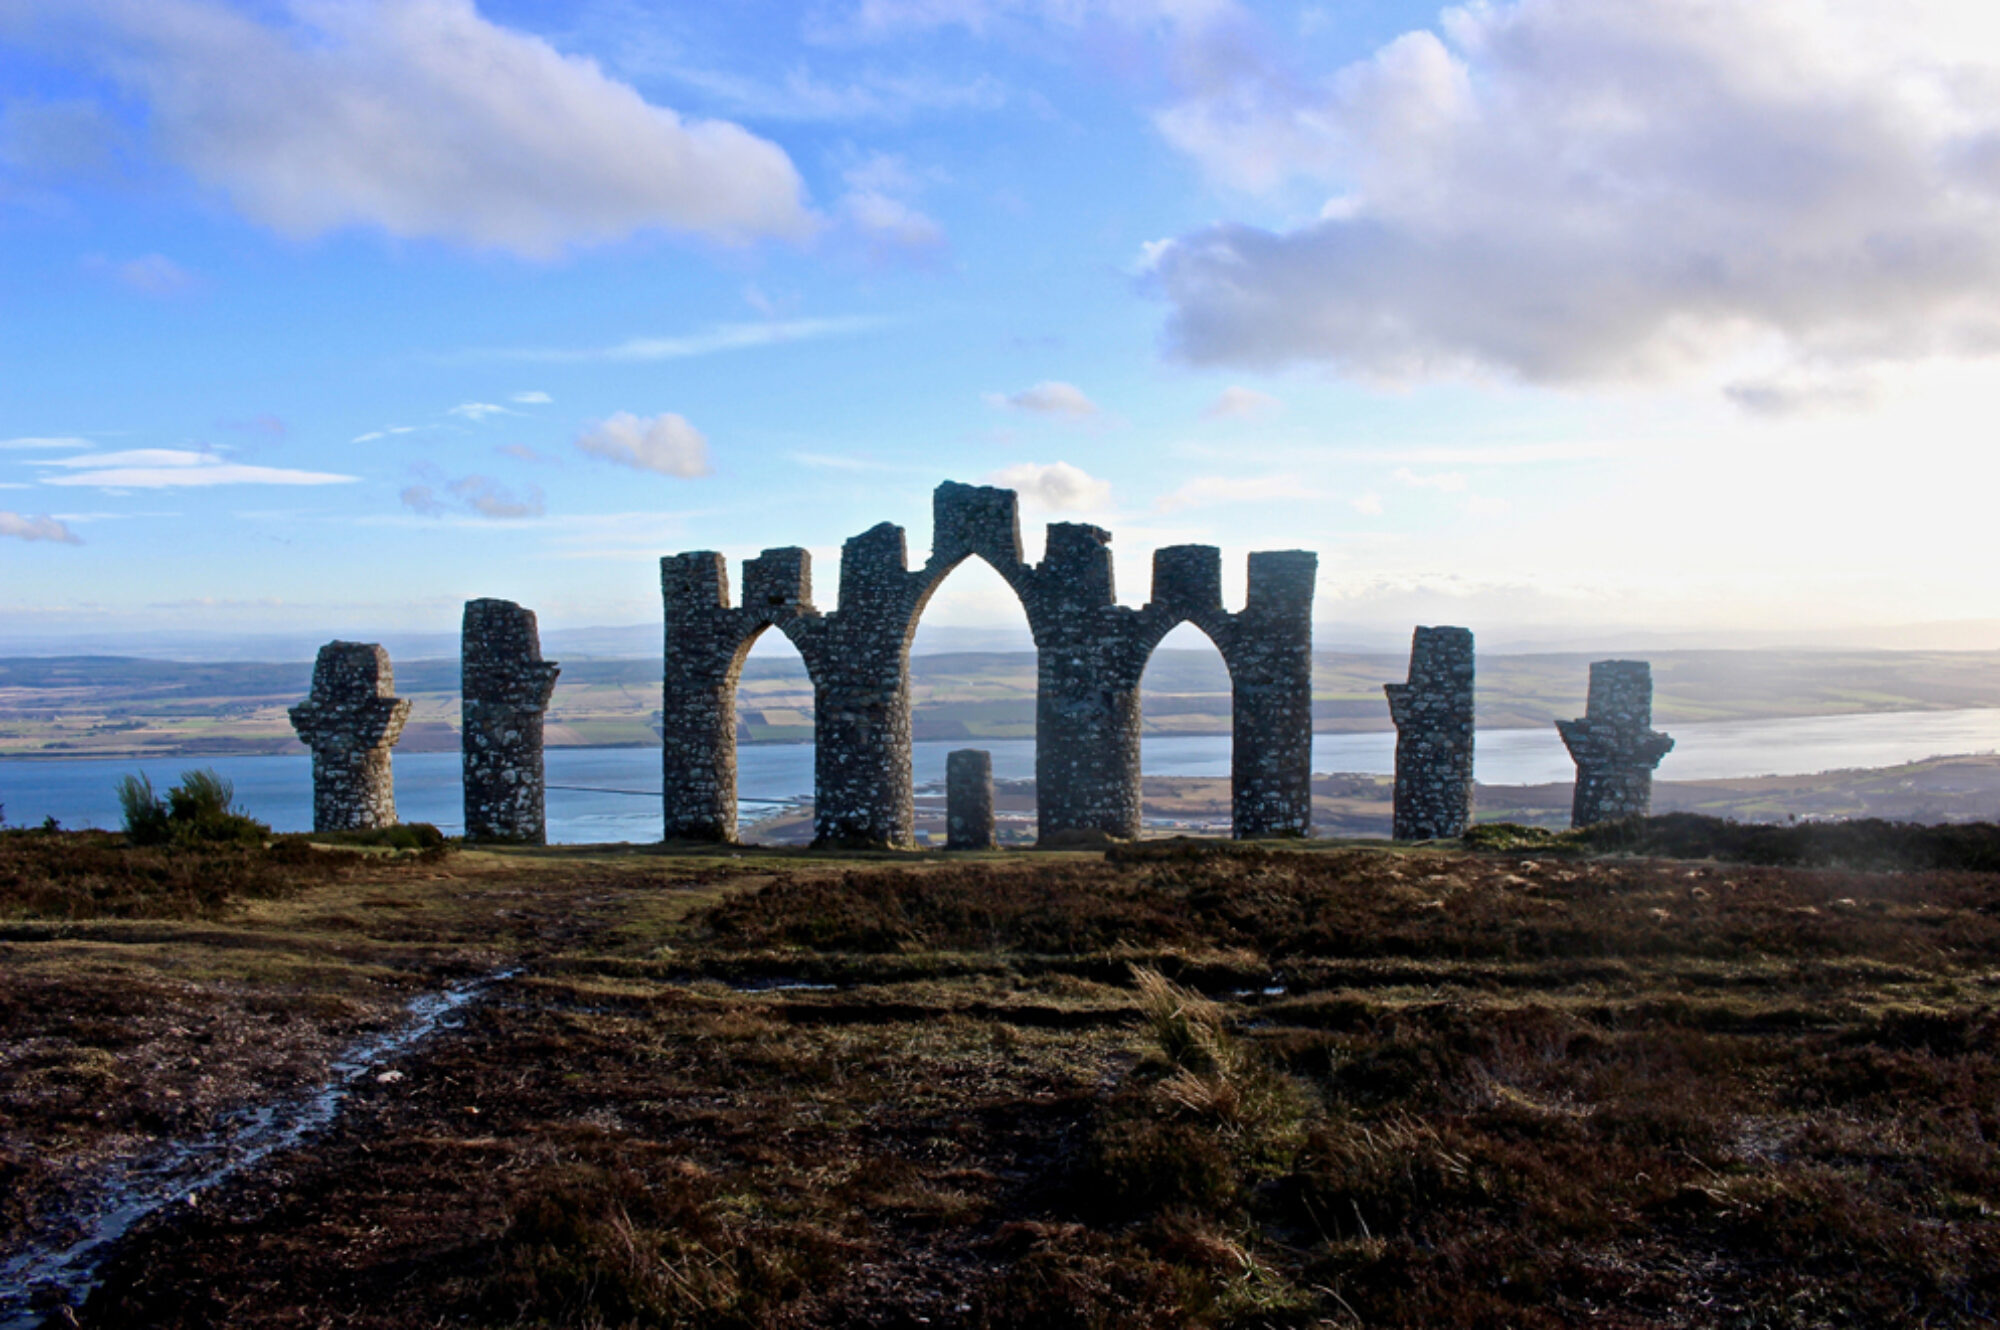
(1864, 843)
(196, 811)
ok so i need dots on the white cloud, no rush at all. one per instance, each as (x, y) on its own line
(1368, 505)
(727, 337)
(422, 118)
(477, 411)
(1051, 397)
(1594, 190)
(1448, 482)
(22, 527)
(1207, 491)
(665, 443)
(42, 444)
(173, 468)
(1238, 403)
(532, 399)
(1055, 486)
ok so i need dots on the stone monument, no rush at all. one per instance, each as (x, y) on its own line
(505, 687)
(968, 800)
(1091, 652)
(1614, 744)
(351, 720)
(1433, 715)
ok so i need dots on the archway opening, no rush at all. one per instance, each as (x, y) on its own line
(973, 684)
(1185, 736)
(774, 744)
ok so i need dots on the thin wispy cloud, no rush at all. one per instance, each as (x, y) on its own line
(29, 445)
(1240, 403)
(1209, 491)
(531, 399)
(374, 434)
(1051, 397)
(173, 468)
(711, 341)
(477, 495)
(477, 411)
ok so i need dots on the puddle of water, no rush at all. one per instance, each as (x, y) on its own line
(37, 1282)
(782, 986)
(1272, 990)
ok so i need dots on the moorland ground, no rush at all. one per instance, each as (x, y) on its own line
(1164, 1085)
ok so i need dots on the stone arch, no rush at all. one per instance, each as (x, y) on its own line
(707, 641)
(1090, 653)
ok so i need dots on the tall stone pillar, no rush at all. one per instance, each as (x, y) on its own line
(968, 800)
(1088, 664)
(505, 687)
(351, 720)
(1270, 672)
(861, 699)
(1614, 744)
(1433, 715)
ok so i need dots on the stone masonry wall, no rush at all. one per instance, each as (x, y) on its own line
(1614, 744)
(505, 687)
(1091, 654)
(351, 720)
(1433, 715)
(968, 800)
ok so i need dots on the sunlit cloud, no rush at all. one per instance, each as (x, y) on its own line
(477, 411)
(1054, 486)
(47, 528)
(1447, 482)
(1591, 191)
(531, 399)
(666, 444)
(423, 119)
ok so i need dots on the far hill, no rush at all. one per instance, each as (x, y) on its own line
(115, 706)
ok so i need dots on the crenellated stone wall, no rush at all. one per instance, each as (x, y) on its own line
(1614, 744)
(1433, 715)
(505, 687)
(968, 800)
(351, 720)
(1091, 651)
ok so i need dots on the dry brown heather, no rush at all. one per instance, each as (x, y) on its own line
(1046, 1090)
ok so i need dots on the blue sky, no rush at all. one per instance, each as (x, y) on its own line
(1579, 318)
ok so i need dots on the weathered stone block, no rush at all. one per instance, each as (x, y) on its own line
(1434, 736)
(505, 687)
(968, 800)
(1614, 744)
(350, 721)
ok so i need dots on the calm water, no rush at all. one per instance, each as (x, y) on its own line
(78, 792)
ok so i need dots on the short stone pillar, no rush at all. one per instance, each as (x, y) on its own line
(968, 800)
(351, 720)
(505, 687)
(1614, 744)
(1433, 715)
